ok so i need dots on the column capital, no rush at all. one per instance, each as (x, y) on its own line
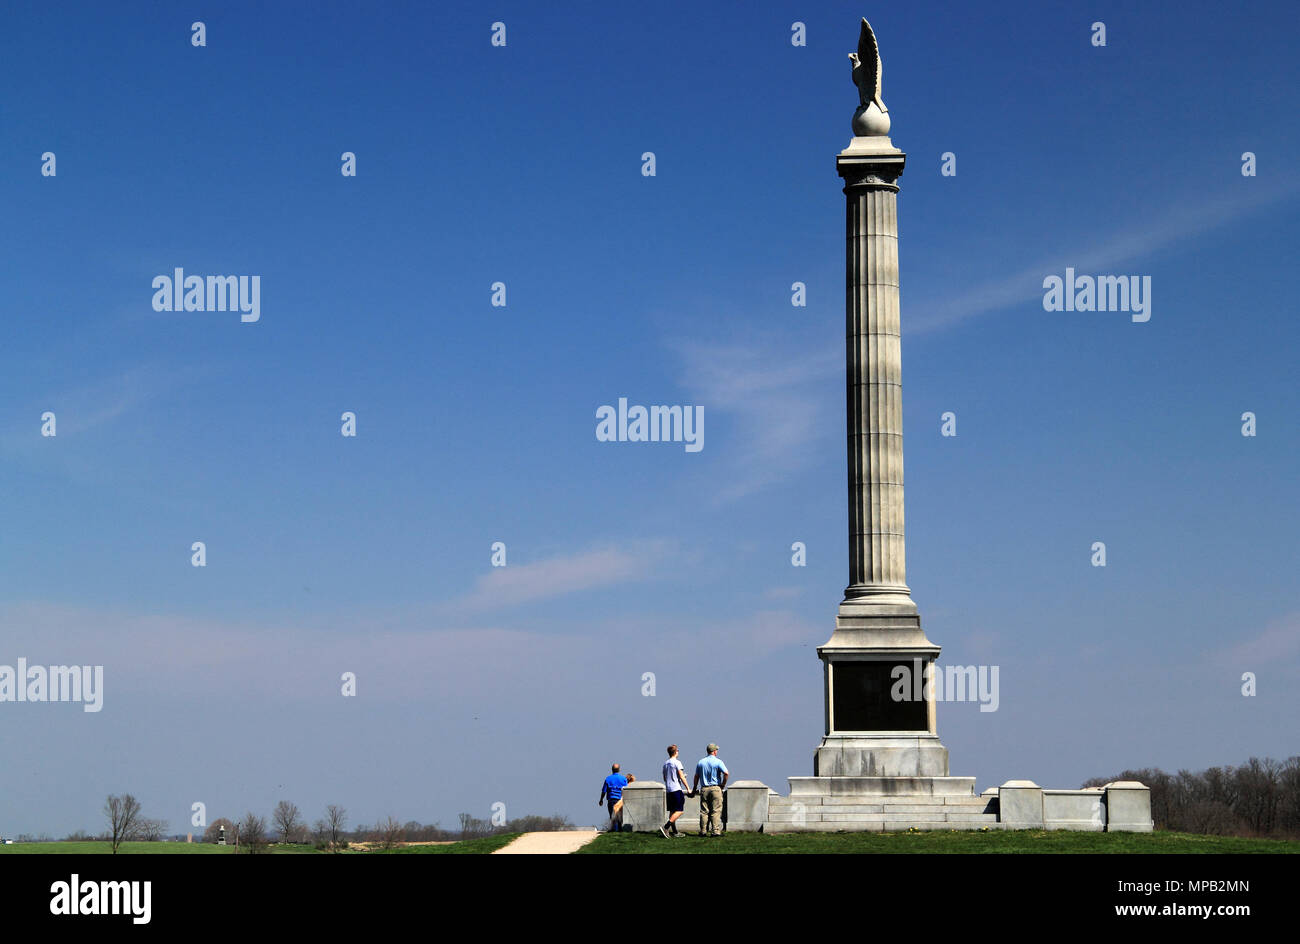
(870, 163)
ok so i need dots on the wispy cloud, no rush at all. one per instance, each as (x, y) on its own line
(516, 584)
(767, 631)
(80, 409)
(1277, 644)
(782, 593)
(777, 398)
(151, 654)
(180, 655)
(1183, 221)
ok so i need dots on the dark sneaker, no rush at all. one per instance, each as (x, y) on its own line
(663, 832)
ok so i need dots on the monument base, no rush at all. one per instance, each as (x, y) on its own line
(880, 804)
(879, 707)
(905, 755)
(880, 764)
(898, 804)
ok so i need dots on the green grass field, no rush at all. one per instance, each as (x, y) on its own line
(464, 847)
(939, 843)
(994, 841)
(468, 847)
(139, 848)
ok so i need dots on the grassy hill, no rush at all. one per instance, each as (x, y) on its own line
(995, 841)
(136, 848)
(935, 843)
(469, 846)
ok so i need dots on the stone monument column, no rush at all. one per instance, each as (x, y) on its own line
(873, 374)
(880, 713)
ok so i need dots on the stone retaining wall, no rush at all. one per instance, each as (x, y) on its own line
(818, 804)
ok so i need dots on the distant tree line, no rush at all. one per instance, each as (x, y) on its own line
(330, 833)
(127, 824)
(1261, 798)
(390, 832)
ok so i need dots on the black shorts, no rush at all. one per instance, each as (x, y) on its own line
(676, 800)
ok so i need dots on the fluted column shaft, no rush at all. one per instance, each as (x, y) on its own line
(877, 557)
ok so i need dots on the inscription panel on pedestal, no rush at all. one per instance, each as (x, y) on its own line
(863, 699)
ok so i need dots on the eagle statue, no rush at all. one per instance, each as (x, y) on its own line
(866, 68)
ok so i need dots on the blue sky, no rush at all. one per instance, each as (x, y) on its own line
(476, 424)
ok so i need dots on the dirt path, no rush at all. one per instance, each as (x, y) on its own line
(561, 843)
(372, 846)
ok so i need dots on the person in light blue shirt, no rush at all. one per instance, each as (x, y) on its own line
(612, 790)
(710, 777)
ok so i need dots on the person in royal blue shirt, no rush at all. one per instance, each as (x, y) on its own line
(612, 790)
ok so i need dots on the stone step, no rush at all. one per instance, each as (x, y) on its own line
(931, 814)
(979, 806)
(898, 801)
(882, 786)
(964, 803)
(881, 817)
(886, 803)
(939, 827)
(822, 828)
(877, 818)
(866, 827)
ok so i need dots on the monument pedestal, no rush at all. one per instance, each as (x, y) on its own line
(880, 755)
(879, 702)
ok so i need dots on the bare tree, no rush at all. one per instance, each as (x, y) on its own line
(1289, 809)
(213, 832)
(123, 818)
(389, 834)
(151, 830)
(252, 833)
(287, 820)
(1257, 785)
(536, 824)
(1259, 798)
(336, 817)
(472, 828)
